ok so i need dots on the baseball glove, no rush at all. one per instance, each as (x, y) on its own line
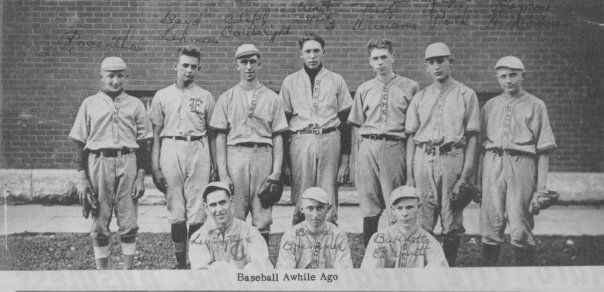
(542, 201)
(160, 184)
(89, 203)
(467, 192)
(270, 192)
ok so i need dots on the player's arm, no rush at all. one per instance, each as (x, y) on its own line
(470, 157)
(343, 259)
(199, 254)
(542, 170)
(436, 256)
(221, 159)
(287, 257)
(212, 142)
(410, 155)
(142, 163)
(374, 256)
(155, 152)
(277, 157)
(345, 142)
(258, 252)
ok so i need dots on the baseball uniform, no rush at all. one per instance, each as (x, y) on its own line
(439, 121)
(326, 248)
(392, 248)
(183, 115)
(239, 244)
(315, 156)
(251, 124)
(514, 131)
(379, 110)
(110, 129)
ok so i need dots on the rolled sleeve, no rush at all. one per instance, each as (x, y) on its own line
(472, 118)
(412, 118)
(143, 124)
(286, 97)
(81, 126)
(156, 114)
(344, 98)
(357, 113)
(343, 260)
(279, 123)
(545, 137)
(219, 120)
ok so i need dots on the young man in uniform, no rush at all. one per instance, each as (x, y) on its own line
(442, 124)
(379, 110)
(182, 149)
(225, 242)
(404, 244)
(517, 138)
(317, 103)
(314, 243)
(109, 130)
(249, 120)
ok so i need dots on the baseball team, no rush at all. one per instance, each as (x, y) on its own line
(422, 156)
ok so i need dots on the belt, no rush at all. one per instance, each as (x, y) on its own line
(112, 152)
(252, 144)
(383, 137)
(184, 138)
(511, 152)
(438, 150)
(310, 130)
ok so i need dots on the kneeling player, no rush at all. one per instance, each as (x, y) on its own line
(405, 244)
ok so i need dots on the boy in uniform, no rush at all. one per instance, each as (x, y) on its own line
(110, 129)
(442, 123)
(517, 138)
(379, 109)
(182, 150)
(404, 244)
(314, 243)
(317, 103)
(249, 120)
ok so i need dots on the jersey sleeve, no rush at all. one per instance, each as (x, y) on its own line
(375, 257)
(219, 120)
(436, 256)
(357, 112)
(199, 254)
(287, 257)
(483, 127)
(545, 135)
(156, 113)
(258, 250)
(81, 126)
(210, 105)
(279, 123)
(472, 116)
(342, 260)
(143, 124)
(343, 96)
(285, 96)
(412, 117)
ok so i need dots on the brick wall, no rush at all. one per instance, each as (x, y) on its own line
(52, 50)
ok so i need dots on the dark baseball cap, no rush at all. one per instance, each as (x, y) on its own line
(216, 186)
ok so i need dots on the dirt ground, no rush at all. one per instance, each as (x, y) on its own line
(73, 251)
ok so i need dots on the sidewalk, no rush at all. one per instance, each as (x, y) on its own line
(557, 220)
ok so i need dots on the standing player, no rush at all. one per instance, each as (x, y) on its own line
(317, 103)
(518, 138)
(108, 130)
(226, 242)
(314, 243)
(442, 123)
(182, 148)
(379, 110)
(249, 120)
(404, 244)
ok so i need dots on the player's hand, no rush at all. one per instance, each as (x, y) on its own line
(286, 175)
(214, 175)
(410, 182)
(159, 179)
(138, 189)
(455, 189)
(87, 197)
(344, 170)
(228, 180)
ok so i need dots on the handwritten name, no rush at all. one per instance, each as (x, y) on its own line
(70, 40)
(375, 17)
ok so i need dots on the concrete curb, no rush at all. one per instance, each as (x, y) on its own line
(57, 186)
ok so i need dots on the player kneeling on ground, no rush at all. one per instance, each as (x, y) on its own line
(223, 241)
(108, 129)
(404, 244)
(314, 243)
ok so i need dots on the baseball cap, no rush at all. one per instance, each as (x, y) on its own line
(113, 64)
(216, 186)
(510, 62)
(403, 192)
(437, 50)
(246, 49)
(317, 194)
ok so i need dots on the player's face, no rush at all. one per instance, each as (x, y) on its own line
(439, 67)
(312, 54)
(218, 206)
(405, 211)
(248, 67)
(381, 61)
(186, 68)
(113, 81)
(510, 80)
(314, 212)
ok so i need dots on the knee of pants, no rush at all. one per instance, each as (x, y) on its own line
(100, 241)
(129, 237)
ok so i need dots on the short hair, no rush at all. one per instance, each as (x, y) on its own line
(379, 43)
(190, 51)
(311, 37)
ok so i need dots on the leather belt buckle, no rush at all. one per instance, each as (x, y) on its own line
(316, 131)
